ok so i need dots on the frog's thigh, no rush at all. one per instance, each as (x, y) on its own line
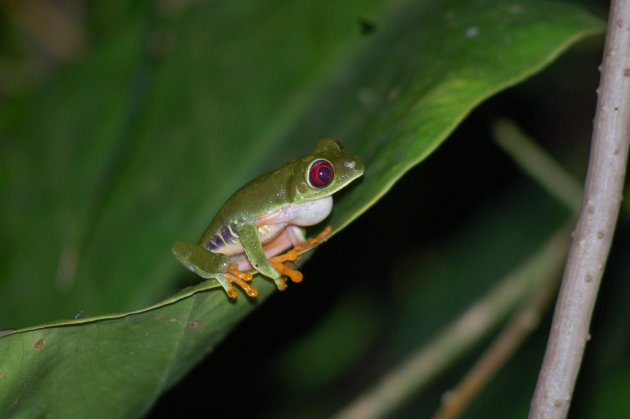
(204, 263)
(200, 260)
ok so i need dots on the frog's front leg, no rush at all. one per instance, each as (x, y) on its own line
(248, 235)
(208, 265)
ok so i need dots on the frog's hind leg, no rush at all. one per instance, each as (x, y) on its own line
(313, 241)
(211, 265)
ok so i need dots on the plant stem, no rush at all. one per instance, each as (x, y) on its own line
(538, 164)
(596, 224)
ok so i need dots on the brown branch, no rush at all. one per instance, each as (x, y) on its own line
(596, 224)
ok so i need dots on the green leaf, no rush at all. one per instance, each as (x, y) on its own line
(78, 368)
(121, 156)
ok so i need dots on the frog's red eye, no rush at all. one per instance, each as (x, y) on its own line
(321, 173)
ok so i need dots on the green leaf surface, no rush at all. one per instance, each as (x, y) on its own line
(138, 145)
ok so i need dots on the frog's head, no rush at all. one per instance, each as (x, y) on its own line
(325, 171)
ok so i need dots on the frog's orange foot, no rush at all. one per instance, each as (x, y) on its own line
(314, 241)
(284, 270)
(233, 275)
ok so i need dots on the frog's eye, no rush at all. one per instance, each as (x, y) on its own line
(321, 173)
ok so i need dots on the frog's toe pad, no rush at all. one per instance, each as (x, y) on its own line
(231, 292)
(281, 283)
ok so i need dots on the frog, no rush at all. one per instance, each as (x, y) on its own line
(261, 228)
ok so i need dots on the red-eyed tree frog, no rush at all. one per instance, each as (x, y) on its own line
(266, 217)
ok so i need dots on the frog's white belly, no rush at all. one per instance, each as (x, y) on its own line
(309, 213)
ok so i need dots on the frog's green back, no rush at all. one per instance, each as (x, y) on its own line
(259, 196)
(289, 184)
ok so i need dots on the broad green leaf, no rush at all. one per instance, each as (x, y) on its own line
(103, 177)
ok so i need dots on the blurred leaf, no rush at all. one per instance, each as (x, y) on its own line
(102, 177)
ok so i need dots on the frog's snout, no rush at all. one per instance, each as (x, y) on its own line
(355, 165)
